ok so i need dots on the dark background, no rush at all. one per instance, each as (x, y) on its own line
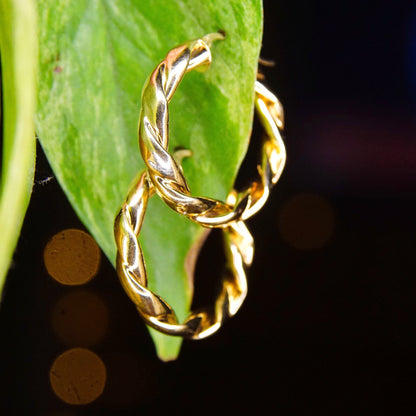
(326, 330)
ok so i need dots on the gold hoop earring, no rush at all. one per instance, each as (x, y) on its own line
(165, 177)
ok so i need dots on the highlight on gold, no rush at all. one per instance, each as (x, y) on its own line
(78, 376)
(72, 257)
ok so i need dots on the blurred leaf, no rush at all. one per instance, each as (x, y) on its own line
(18, 50)
(94, 59)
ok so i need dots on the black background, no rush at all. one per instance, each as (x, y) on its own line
(325, 331)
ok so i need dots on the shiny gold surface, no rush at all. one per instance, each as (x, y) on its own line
(132, 271)
(164, 176)
(164, 172)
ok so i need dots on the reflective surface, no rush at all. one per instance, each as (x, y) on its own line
(164, 171)
(164, 175)
(132, 271)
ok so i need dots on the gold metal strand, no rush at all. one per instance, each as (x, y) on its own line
(165, 176)
(164, 172)
(156, 312)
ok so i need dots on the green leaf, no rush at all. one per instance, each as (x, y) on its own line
(94, 59)
(18, 49)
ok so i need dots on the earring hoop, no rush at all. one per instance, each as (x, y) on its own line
(165, 177)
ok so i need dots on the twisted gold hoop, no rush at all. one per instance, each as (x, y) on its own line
(156, 311)
(164, 172)
(165, 176)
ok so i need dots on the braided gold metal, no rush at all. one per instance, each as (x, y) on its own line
(164, 172)
(164, 176)
(156, 312)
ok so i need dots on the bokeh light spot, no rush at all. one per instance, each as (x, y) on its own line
(78, 376)
(80, 318)
(306, 221)
(72, 257)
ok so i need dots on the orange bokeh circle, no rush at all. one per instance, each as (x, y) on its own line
(72, 257)
(78, 376)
